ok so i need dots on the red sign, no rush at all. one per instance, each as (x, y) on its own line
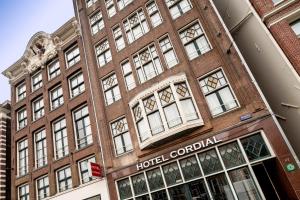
(96, 170)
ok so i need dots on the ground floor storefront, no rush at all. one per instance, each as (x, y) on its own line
(231, 165)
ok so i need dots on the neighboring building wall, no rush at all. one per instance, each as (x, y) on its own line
(5, 150)
(269, 64)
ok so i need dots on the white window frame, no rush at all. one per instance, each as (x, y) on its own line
(18, 87)
(228, 85)
(89, 142)
(18, 158)
(140, 23)
(103, 52)
(57, 72)
(115, 97)
(203, 35)
(297, 21)
(23, 185)
(69, 51)
(168, 131)
(51, 100)
(57, 181)
(131, 86)
(175, 4)
(35, 149)
(170, 49)
(157, 23)
(79, 168)
(97, 22)
(112, 4)
(124, 3)
(37, 189)
(54, 140)
(42, 109)
(119, 37)
(25, 119)
(276, 2)
(72, 95)
(38, 73)
(113, 136)
(90, 4)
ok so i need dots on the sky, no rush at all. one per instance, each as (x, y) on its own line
(21, 19)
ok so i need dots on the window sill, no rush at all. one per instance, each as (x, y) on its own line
(168, 135)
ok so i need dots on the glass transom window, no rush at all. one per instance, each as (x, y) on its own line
(194, 40)
(218, 93)
(165, 110)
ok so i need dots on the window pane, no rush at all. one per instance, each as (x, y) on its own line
(155, 179)
(243, 184)
(210, 162)
(189, 109)
(139, 184)
(172, 174)
(255, 147)
(190, 168)
(124, 188)
(219, 187)
(172, 115)
(160, 195)
(155, 123)
(231, 155)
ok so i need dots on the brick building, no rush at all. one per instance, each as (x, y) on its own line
(154, 92)
(5, 150)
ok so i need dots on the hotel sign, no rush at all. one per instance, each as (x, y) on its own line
(178, 153)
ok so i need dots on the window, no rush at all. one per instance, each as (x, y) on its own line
(97, 197)
(277, 1)
(23, 192)
(60, 138)
(110, 7)
(296, 27)
(56, 97)
(37, 81)
(194, 40)
(147, 63)
(111, 89)
(179, 7)
(82, 127)
(23, 157)
(135, 26)
(72, 56)
(128, 76)
(123, 3)
(42, 187)
(199, 176)
(38, 108)
(168, 51)
(53, 69)
(76, 85)
(89, 3)
(118, 36)
(103, 53)
(165, 111)
(84, 169)
(40, 148)
(22, 118)
(154, 14)
(121, 136)
(218, 93)
(96, 22)
(64, 179)
(21, 91)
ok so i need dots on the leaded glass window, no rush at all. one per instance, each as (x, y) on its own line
(172, 174)
(194, 40)
(103, 53)
(121, 136)
(178, 7)
(147, 63)
(96, 22)
(139, 184)
(154, 14)
(210, 161)
(155, 179)
(186, 101)
(118, 36)
(111, 89)
(153, 115)
(255, 147)
(218, 93)
(135, 26)
(124, 188)
(128, 75)
(190, 168)
(243, 184)
(168, 51)
(231, 155)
